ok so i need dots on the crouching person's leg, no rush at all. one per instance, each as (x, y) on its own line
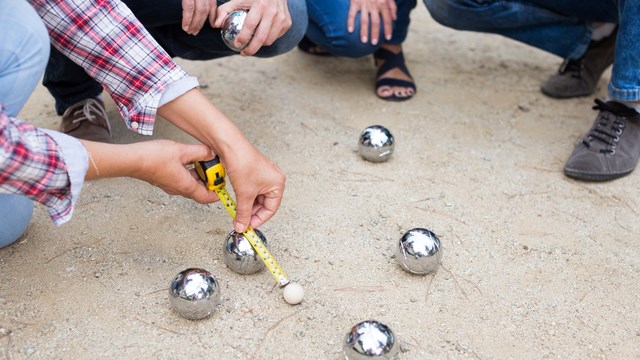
(15, 215)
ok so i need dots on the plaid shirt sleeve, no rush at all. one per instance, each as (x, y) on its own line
(31, 164)
(106, 39)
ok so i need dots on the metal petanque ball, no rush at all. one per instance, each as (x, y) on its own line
(194, 293)
(240, 256)
(370, 340)
(231, 28)
(419, 251)
(376, 144)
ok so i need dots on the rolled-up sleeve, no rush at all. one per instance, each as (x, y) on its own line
(42, 165)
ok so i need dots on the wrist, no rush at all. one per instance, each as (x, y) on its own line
(193, 113)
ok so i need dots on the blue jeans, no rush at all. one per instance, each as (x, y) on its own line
(69, 83)
(328, 27)
(561, 27)
(24, 49)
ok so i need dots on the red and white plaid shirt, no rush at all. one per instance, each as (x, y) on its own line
(106, 39)
(32, 165)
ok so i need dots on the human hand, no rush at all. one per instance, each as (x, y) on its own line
(195, 13)
(370, 13)
(266, 21)
(162, 163)
(258, 184)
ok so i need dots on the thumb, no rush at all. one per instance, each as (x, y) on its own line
(243, 213)
(221, 13)
(198, 152)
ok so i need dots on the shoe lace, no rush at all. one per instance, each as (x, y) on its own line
(572, 67)
(608, 126)
(91, 111)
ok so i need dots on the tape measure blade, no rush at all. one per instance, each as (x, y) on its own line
(269, 261)
(264, 253)
(227, 201)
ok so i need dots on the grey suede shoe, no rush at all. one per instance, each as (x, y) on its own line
(87, 120)
(580, 77)
(611, 148)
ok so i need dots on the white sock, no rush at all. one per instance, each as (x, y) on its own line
(602, 31)
(100, 97)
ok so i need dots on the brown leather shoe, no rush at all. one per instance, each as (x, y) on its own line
(87, 120)
(580, 77)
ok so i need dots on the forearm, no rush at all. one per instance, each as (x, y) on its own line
(257, 182)
(111, 160)
(161, 163)
(196, 115)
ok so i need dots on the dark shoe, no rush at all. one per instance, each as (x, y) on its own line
(580, 77)
(611, 148)
(87, 120)
(391, 60)
(312, 48)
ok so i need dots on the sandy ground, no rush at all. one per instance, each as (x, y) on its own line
(535, 265)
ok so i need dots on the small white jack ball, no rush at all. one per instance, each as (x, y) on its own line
(293, 293)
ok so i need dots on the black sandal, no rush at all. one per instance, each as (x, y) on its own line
(312, 48)
(392, 61)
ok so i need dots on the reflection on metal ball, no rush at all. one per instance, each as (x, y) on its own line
(376, 144)
(239, 255)
(419, 251)
(370, 340)
(231, 27)
(194, 293)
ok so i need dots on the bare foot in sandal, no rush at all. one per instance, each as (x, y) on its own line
(393, 80)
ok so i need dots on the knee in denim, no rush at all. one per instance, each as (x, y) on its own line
(456, 13)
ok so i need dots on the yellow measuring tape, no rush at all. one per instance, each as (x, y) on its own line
(212, 174)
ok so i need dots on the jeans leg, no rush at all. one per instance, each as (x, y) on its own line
(562, 28)
(401, 25)
(625, 75)
(154, 13)
(15, 215)
(328, 29)
(24, 48)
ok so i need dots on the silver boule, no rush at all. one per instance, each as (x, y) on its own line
(194, 293)
(240, 256)
(231, 27)
(419, 251)
(369, 340)
(376, 144)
